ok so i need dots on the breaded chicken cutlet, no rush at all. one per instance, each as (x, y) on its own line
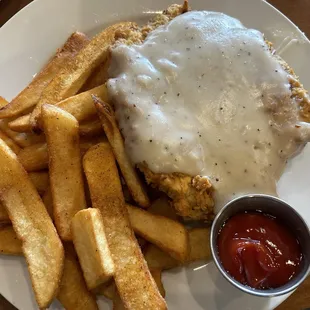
(192, 196)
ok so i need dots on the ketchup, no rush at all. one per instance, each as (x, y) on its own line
(258, 250)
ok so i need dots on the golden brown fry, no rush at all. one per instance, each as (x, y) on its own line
(156, 274)
(72, 76)
(33, 227)
(34, 157)
(40, 180)
(22, 139)
(48, 202)
(132, 277)
(3, 102)
(158, 259)
(65, 167)
(81, 106)
(31, 94)
(90, 128)
(91, 245)
(13, 146)
(161, 206)
(9, 243)
(107, 118)
(21, 124)
(73, 293)
(169, 235)
(199, 239)
(199, 244)
(99, 76)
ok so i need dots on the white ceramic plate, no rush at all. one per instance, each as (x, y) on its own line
(32, 36)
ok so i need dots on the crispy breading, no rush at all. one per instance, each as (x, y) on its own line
(191, 196)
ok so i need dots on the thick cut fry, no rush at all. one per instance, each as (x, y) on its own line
(99, 76)
(35, 157)
(9, 243)
(21, 124)
(157, 259)
(3, 102)
(132, 277)
(200, 244)
(73, 293)
(109, 290)
(199, 239)
(161, 206)
(31, 94)
(90, 128)
(156, 274)
(40, 180)
(22, 139)
(33, 226)
(107, 118)
(81, 106)
(65, 167)
(13, 146)
(72, 77)
(92, 247)
(169, 235)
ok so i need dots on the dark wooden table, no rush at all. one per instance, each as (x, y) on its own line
(299, 12)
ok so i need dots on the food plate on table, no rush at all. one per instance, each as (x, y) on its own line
(31, 37)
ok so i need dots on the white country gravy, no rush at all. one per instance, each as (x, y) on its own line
(204, 96)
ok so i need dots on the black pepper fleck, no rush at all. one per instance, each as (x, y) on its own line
(216, 179)
(151, 140)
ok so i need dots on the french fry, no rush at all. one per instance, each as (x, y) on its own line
(9, 243)
(33, 227)
(92, 248)
(156, 274)
(81, 106)
(169, 235)
(21, 124)
(65, 167)
(90, 128)
(40, 180)
(158, 259)
(74, 74)
(99, 76)
(31, 94)
(132, 277)
(13, 146)
(161, 206)
(108, 121)
(3, 102)
(200, 244)
(73, 293)
(35, 157)
(109, 290)
(199, 239)
(22, 139)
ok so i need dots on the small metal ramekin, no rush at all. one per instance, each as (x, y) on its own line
(282, 211)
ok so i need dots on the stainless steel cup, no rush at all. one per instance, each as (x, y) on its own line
(282, 211)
